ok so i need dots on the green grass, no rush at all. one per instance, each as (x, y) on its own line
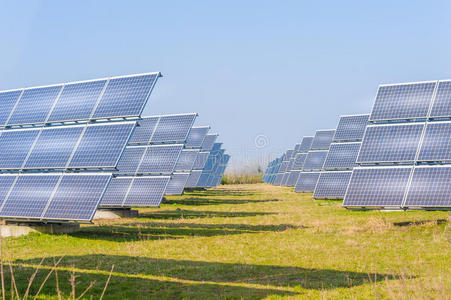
(242, 178)
(246, 241)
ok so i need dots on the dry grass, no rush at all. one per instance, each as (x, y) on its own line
(242, 178)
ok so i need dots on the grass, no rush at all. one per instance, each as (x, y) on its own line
(241, 178)
(244, 241)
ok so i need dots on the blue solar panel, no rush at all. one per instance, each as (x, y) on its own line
(130, 159)
(144, 130)
(283, 166)
(377, 187)
(285, 179)
(29, 196)
(193, 178)
(351, 128)
(177, 184)
(442, 101)
(322, 139)
(436, 142)
(173, 128)
(315, 160)
(77, 101)
(34, 105)
(208, 142)
(116, 191)
(390, 143)
(213, 159)
(196, 137)
(6, 182)
(299, 160)
(147, 191)
(216, 146)
(288, 154)
(201, 160)
(7, 102)
(293, 178)
(53, 147)
(306, 144)
(102, 145)
(297, 148)
(332, 185)
(203, 180)
(430, 187)
(186, 160)
(160, 159)
(15, 146)
(342, 156)
(402, 101)
(278, 178)
(77, 197)
(125, 96)
(306, 182)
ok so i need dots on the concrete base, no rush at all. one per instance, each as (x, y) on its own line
(115, 214)
(19, 229)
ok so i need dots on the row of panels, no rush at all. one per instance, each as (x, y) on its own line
(116, 97)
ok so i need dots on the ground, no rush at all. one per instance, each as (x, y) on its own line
(244, 241)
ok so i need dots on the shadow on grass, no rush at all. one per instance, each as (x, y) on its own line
(420, 223)
(139, 277)
(144, 231)
(196, 214)
(209, 201)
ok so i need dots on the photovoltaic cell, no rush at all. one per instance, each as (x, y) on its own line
(289, 154)
(116, 191)
(34, 105)
(208, 142)
(351, 128)
(402, 101)
(6, 182)
(299, 160)
(196, 137)
(377, 187)
(216, 146)
(390, 143)
(293, 178)
(436, 145)
(7, 101)
(342, 156)
(297, 148)
(186, 160)
(285, 178)
(278, 178)
(144, 130)
(315, 160)
(77, 197)
(332, 185)
(442, 101)
(306, 144)
(130, 159)
(77, 101)
(147, 191)
(203, 180)
(322, 139)
(15, 146)
(201, 160)
(193, 178)
(125, 96)
(160, 159)
(102, 145)
(306, 182)
(430, 187)
(173, 128)
(177, 184)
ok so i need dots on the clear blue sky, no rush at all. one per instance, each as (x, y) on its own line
(272, 68)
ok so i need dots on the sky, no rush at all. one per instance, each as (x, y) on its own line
(262, 74)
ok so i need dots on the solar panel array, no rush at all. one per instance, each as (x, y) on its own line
(404, 157)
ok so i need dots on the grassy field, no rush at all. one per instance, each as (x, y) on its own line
(244, 241)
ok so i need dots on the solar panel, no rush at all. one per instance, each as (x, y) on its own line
(315, 160)
(34, 105)
(285, 178)
(332, 185)
(377, 187)
(278, 178)
(297, 148)
(173, 128)
(53, 196)
(77, 101)
(436, 142)
(283, 166)
(196, 137)
(208, 142)
(306, 144)
(186, 160)
(116, 192)
(289, 154)
(216, 146)
(203, 180)
(342, 156)
(442, 103)
(160, 159)
(102, 145)
(299, 160)
(213, 159)
(125, 96)
(193, 178)
(130, 159)
(144, 130)
(402, 101)
(8, 100)
(201, 160)
(390, 143)
(306, 182)
(177, 184)
(293, 178)
(430, 187)
(351, 128)
(322, 139)
(15, 146)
